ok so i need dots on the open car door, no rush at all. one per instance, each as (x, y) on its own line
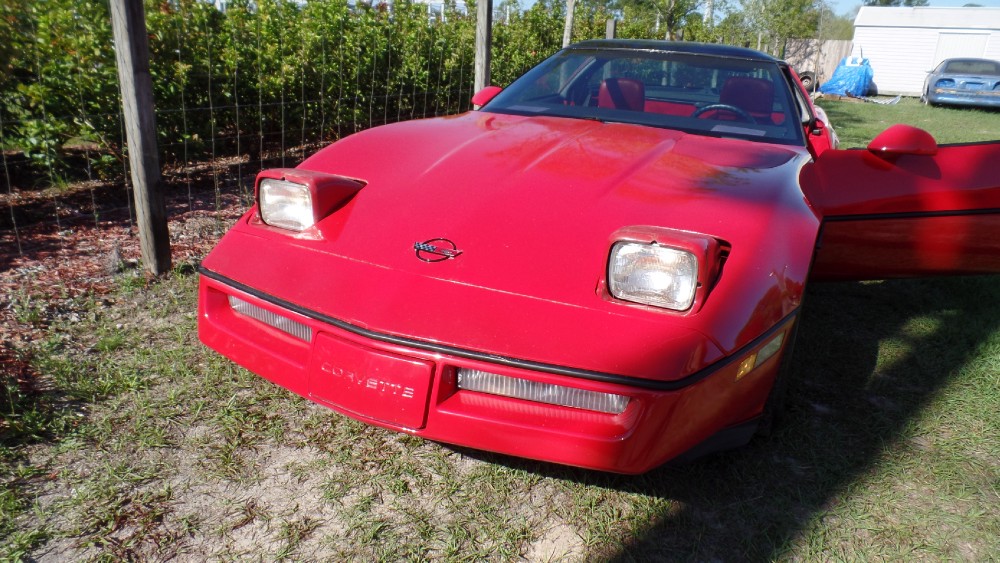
(906, 207)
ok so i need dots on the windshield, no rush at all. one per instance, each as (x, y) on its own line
(702, 94)
(972, 67)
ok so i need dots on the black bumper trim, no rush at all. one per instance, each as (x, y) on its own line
(911, 215)
(630, 381)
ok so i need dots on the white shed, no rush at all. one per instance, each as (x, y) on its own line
(904, 43)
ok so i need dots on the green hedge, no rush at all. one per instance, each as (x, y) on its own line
(260, 76)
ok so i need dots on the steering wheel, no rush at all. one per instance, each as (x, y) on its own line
(742, 114)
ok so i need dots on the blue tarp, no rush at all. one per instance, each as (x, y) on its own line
(852, 77)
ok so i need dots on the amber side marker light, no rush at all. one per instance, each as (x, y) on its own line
(751, 362)
(515, 387)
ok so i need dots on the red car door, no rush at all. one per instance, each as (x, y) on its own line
(906, 207)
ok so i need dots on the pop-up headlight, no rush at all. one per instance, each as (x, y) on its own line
(295, 199)
(653, 275)
(670, 269)
(286, 204)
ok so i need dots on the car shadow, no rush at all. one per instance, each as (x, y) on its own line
(845, 410)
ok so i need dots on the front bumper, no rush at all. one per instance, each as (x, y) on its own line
(411, 386)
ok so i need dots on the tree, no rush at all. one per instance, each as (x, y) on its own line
(568, 27)
(836, 27)
(890, 3)
(675, 15)
(772, 21)
(669, 16)
(791, 18)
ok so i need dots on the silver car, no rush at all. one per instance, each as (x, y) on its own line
(967, 82)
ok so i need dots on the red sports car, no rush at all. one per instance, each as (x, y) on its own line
(603, 266)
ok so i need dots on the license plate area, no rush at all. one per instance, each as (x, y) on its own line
(370, 383)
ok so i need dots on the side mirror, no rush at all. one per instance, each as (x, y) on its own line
(817, 126)
(482, 97)
(902, 139)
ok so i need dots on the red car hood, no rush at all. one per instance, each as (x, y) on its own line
(532, 203)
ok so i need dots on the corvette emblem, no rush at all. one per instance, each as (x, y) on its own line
(436, 250)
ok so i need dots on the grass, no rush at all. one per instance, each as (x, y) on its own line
(858, 123)
(138, 443)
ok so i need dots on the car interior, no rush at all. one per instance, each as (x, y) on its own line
(701, 94)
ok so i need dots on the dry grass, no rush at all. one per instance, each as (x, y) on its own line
(124, 438)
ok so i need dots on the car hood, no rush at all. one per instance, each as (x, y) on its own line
(533, 204)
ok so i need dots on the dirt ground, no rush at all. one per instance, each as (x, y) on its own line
(60, 243)
(188, 508)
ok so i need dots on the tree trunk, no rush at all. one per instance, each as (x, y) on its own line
(671, 20)
(568, 29)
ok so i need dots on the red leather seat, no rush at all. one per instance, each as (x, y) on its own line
(622, 93)
(753, 95)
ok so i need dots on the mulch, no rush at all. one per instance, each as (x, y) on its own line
(46, 265)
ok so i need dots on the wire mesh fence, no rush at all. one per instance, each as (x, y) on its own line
(239, 86)
(253, 85)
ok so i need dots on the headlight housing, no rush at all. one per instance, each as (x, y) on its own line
(296, 200)
(652, 274)
(286, 204)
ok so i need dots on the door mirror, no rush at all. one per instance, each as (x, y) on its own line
(903, 139)
(483, 96)
(817, 126)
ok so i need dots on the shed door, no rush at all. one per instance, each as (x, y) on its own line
(953, 45)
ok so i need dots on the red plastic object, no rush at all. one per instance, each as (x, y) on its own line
(386, 387)
(482, 97)
(900, 139)
(359, 377)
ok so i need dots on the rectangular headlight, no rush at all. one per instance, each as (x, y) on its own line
(286, 204)
(495, 384)
(653, 275)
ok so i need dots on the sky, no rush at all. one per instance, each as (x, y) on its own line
(848, 7)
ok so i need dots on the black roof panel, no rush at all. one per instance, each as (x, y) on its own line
(674, 46)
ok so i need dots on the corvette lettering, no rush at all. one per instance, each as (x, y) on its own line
(373, 383)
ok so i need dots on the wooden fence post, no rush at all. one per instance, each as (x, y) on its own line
(568, 25)
(484, 41)
(128, 22)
